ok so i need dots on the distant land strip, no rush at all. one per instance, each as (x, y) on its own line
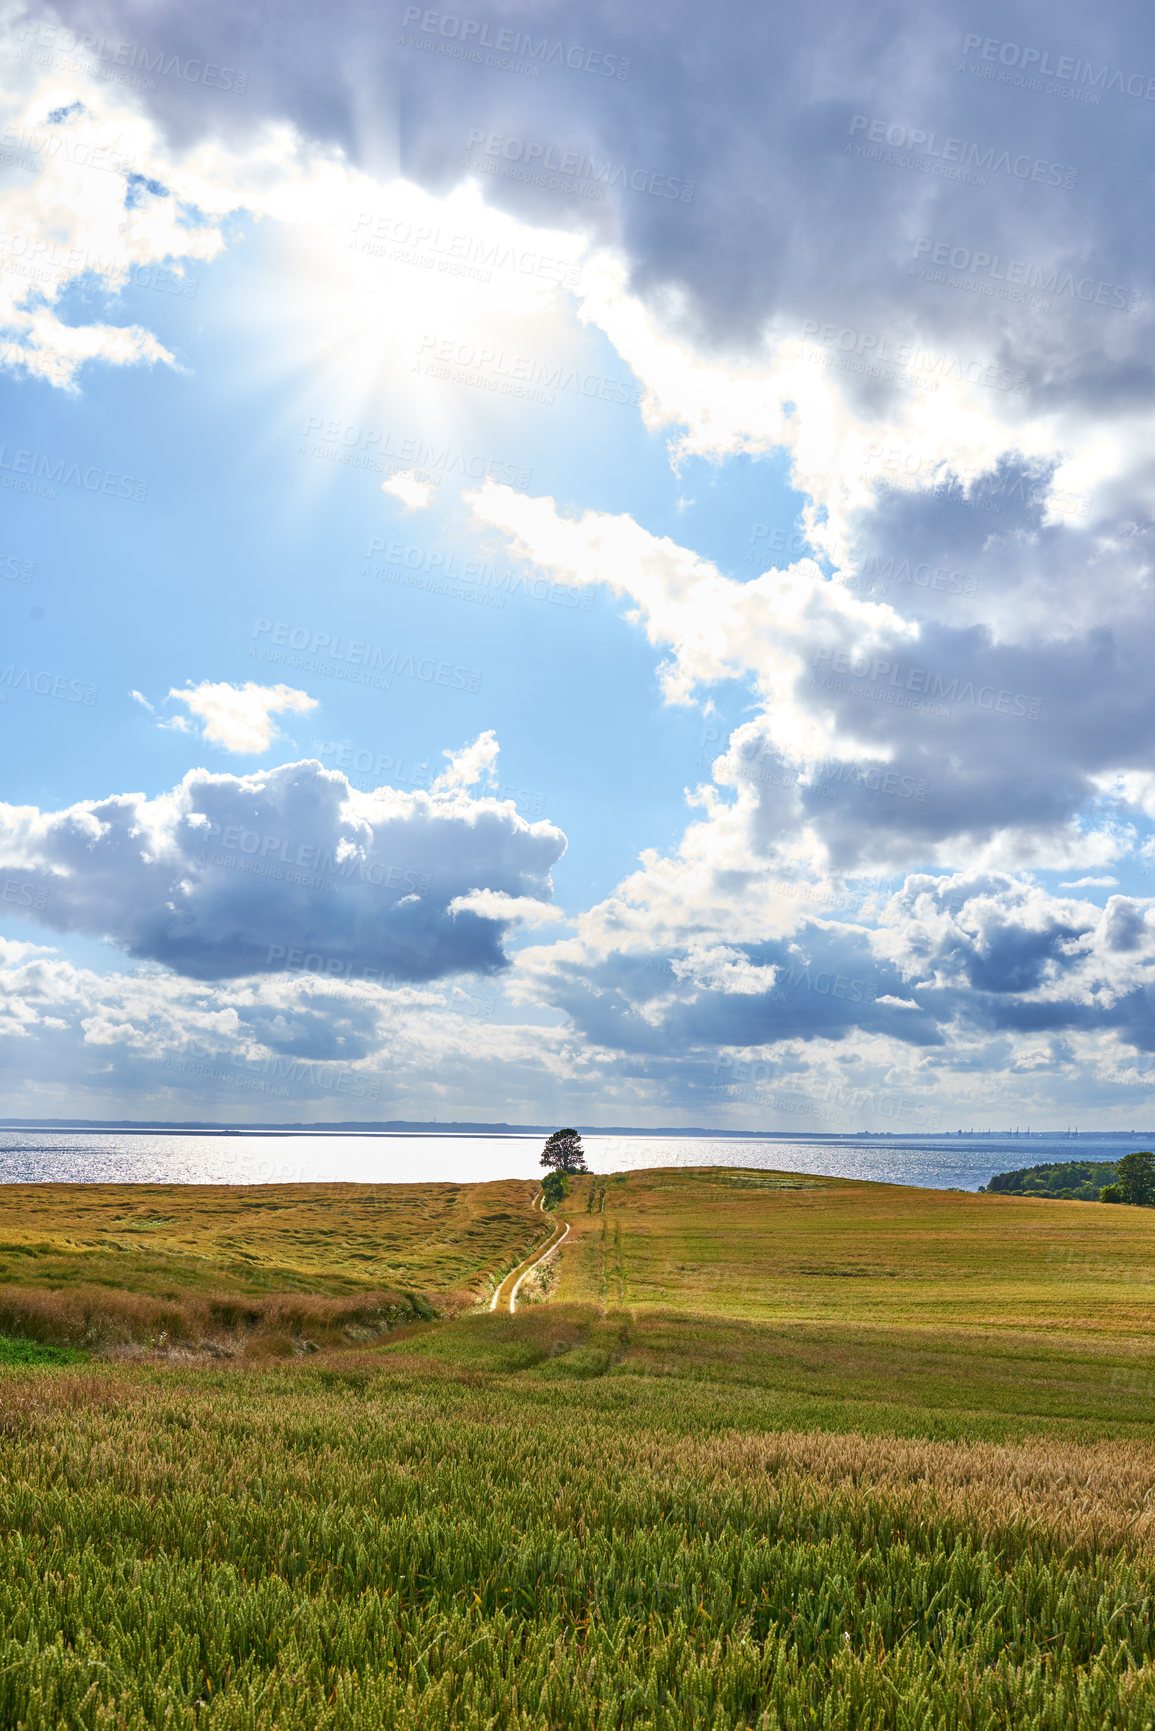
(436, 1127)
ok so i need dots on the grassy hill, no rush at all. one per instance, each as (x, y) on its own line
(774, 1451)
(330, 1238)
(248, 1267)
(931, 1302)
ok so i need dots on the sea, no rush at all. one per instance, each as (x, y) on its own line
(127, 1156)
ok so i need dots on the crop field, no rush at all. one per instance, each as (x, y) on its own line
(928, 1300)
(745, 1461)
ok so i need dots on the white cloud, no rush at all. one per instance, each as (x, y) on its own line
(772, 395)
(1132, 787)
(859, 710)
(67, 216)
(496, 905)
(101, 193)
(411, 491)
(721, 968)
(717, 628)
(472, 764)
(239, 717)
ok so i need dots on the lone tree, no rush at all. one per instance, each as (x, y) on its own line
(1136, 1178)
(564, 1152)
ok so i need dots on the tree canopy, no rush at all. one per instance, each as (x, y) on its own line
(564, 1152)
(1136, 1177)
(1131, 1179)
(1079, 1180)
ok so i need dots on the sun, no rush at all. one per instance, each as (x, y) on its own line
(405, 312)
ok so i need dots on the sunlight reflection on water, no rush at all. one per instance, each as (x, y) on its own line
(151, 1157)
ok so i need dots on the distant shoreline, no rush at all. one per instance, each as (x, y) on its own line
(425, 1127)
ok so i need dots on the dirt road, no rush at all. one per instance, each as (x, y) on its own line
(507, 1291)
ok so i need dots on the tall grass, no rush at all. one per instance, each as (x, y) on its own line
(102, 1319)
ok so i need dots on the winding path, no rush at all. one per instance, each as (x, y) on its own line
(509, 1286)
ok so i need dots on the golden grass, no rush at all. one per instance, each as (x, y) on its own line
(1085, 1497)
(165, 1240)
(215, 1325)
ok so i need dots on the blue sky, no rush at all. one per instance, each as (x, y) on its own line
(568, 565)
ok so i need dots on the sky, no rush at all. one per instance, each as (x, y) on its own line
(577, 564)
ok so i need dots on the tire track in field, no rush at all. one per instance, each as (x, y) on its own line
(508, 1287)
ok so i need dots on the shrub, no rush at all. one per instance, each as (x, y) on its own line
(1054, 1178)
(36, 1352)
(554, 1188)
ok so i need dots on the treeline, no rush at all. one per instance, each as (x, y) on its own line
(1129, 1180)
(1068, 1180)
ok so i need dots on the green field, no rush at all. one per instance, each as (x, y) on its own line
(767, 1451)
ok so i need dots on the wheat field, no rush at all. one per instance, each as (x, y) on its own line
(654, 1497)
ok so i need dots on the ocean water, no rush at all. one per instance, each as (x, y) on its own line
(197, 1157)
